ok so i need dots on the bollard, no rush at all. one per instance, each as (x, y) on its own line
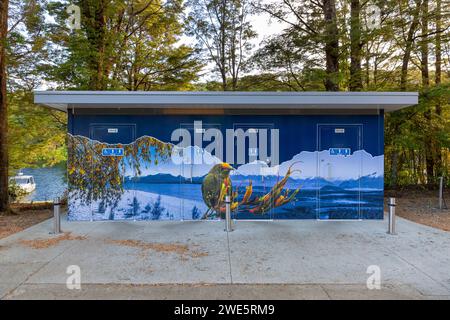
(441, 192)
(391, 227)
(56, 216)
(228, 222)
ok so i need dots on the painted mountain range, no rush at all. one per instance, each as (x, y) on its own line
(311, 170)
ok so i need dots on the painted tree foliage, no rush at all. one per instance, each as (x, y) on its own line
(93, 177)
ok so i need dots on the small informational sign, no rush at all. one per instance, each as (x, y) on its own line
(253, 152)
(340, 151)
(339, 130)
(113, 130)
(112, 152)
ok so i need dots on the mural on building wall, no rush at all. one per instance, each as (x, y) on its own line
(144, 181)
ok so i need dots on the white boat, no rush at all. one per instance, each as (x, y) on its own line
(26, 183)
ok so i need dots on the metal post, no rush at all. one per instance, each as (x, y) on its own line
(56, 216)
(228, 222)
(391, 227)
(441, 192)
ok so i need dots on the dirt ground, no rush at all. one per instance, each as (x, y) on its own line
(421, 206)
(25, 216)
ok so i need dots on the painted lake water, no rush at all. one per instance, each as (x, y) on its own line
(335, 203)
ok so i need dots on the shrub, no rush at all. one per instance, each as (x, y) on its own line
(15, 192)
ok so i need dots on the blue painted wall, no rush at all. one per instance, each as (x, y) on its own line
(296, 131)
(329, 186)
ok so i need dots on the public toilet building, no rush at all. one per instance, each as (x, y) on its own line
(176, 155)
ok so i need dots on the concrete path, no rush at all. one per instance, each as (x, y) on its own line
(198, 260)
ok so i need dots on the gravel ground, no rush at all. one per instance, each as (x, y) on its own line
(25, 216)
(421, 206)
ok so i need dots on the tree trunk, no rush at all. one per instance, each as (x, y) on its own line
(223, 41)
(429, 140)
(438, 48)
(394, 168)
(355, 47)
(367, 65)
(375, 72)
(409, 45)
(94, 18)
(424, 47)
(437, 80)
(331, 46)
(4, 198)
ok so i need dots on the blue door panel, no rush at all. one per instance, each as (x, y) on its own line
(339, 150)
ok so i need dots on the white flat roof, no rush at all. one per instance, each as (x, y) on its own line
(63, 100)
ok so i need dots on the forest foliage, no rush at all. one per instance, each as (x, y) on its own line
(334, 45)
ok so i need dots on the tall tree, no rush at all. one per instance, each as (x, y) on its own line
(35, 134)
(396, 52)
(438, 77)
(312, 33)
(4, 199)
(331, 46)
(409, 25)
(223, 32)
(151, 59)
(438, 48)
(424, 44)
(355, 46)
(414, 14)
(94, 20)
(292, 63)
(424, 60)
(123, 45)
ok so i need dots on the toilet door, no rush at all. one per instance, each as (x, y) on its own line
(253, 163)
(109, 201)
(197, 163)
(339, 164)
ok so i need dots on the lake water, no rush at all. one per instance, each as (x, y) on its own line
(50, 183)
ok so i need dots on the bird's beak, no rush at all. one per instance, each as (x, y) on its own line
(226, 166)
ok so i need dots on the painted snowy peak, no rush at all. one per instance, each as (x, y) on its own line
(305, 165)
(179, 164)
(194, 162)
